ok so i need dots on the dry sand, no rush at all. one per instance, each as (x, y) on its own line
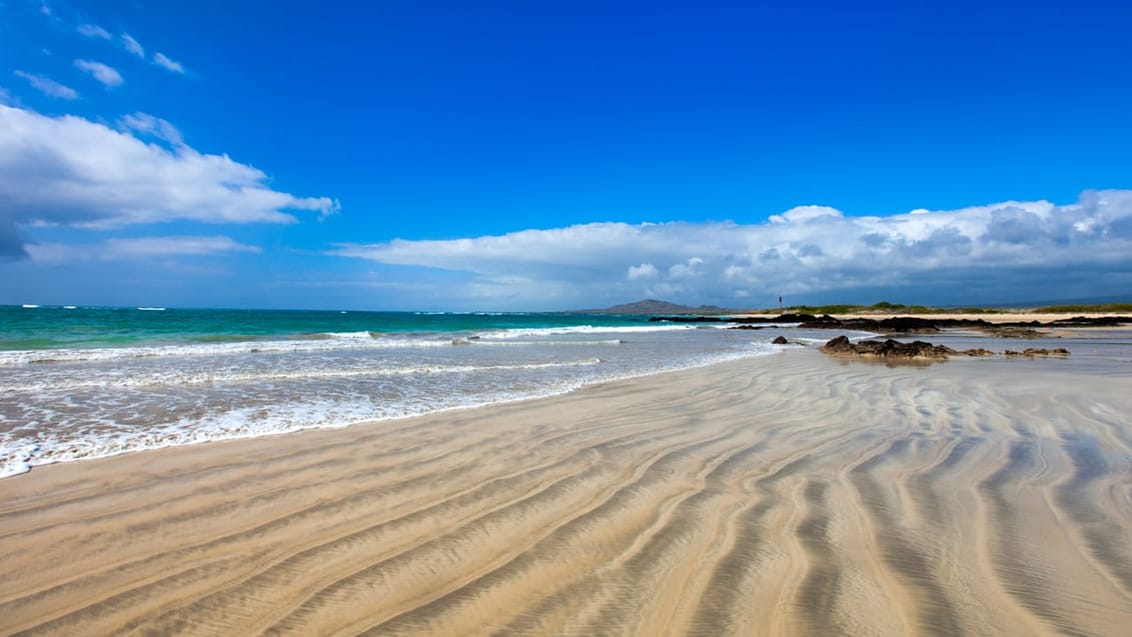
(791, 494)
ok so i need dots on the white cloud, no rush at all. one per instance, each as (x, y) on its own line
(133, 46)
(126, 40)
(1011, 249)
(48, 86)
(148, 125)
(643, 271)
(101, 72)
(803, 214)
(94, 31)
(690, 268)
(180, 245)
(145, 248)
(69, 171)
(163, 60)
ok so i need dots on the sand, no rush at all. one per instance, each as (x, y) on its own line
(785, 495)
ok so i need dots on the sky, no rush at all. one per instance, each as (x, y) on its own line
(563, 154)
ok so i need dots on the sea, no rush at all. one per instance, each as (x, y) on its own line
(88, 382)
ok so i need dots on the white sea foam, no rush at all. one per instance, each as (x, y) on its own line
(503, 343)
(174, 376)
(585, 329)
(16, 457)
(321, 342)
(295, 409)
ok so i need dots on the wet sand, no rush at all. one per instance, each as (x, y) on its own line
(786, 495)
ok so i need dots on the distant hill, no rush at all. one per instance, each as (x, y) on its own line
(652, 306)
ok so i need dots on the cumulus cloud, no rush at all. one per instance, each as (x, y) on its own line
(163, 61)
(108, 76)
(1010, 249)
(690, 268)
(48, 87)
(642, 271)
(69, 171)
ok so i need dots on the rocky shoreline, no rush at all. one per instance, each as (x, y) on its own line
(893, 349)
(903, 325)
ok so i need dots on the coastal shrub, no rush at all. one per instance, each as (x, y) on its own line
(825, 309)
(1101, 307)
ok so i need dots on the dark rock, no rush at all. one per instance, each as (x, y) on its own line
(781, 340)
(1031, 352)
(900, 324)
(893, 325)
(1009, 331)
(824, 321)
(977, 352)
(1084, 321)
(887, 349)
(838, 345)
(919, 325)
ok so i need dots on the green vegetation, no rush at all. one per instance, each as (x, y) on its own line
(824, 309)
(881, 307)
(1070, 309)
(884, 307)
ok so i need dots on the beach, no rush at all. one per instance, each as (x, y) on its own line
(785, 494)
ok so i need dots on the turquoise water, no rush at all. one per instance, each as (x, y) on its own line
(54, 327)
(80, 383)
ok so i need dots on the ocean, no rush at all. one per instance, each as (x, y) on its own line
(86, 382)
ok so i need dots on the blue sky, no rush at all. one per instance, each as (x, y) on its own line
(554, 155)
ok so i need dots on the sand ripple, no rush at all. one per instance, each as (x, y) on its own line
(784, 495)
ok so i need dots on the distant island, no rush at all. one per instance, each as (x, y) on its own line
(653, 306)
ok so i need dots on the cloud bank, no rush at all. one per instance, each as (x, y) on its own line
(70, 171)
(1004, 251)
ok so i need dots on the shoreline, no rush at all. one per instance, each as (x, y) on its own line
(26, 467)
(778, 494)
